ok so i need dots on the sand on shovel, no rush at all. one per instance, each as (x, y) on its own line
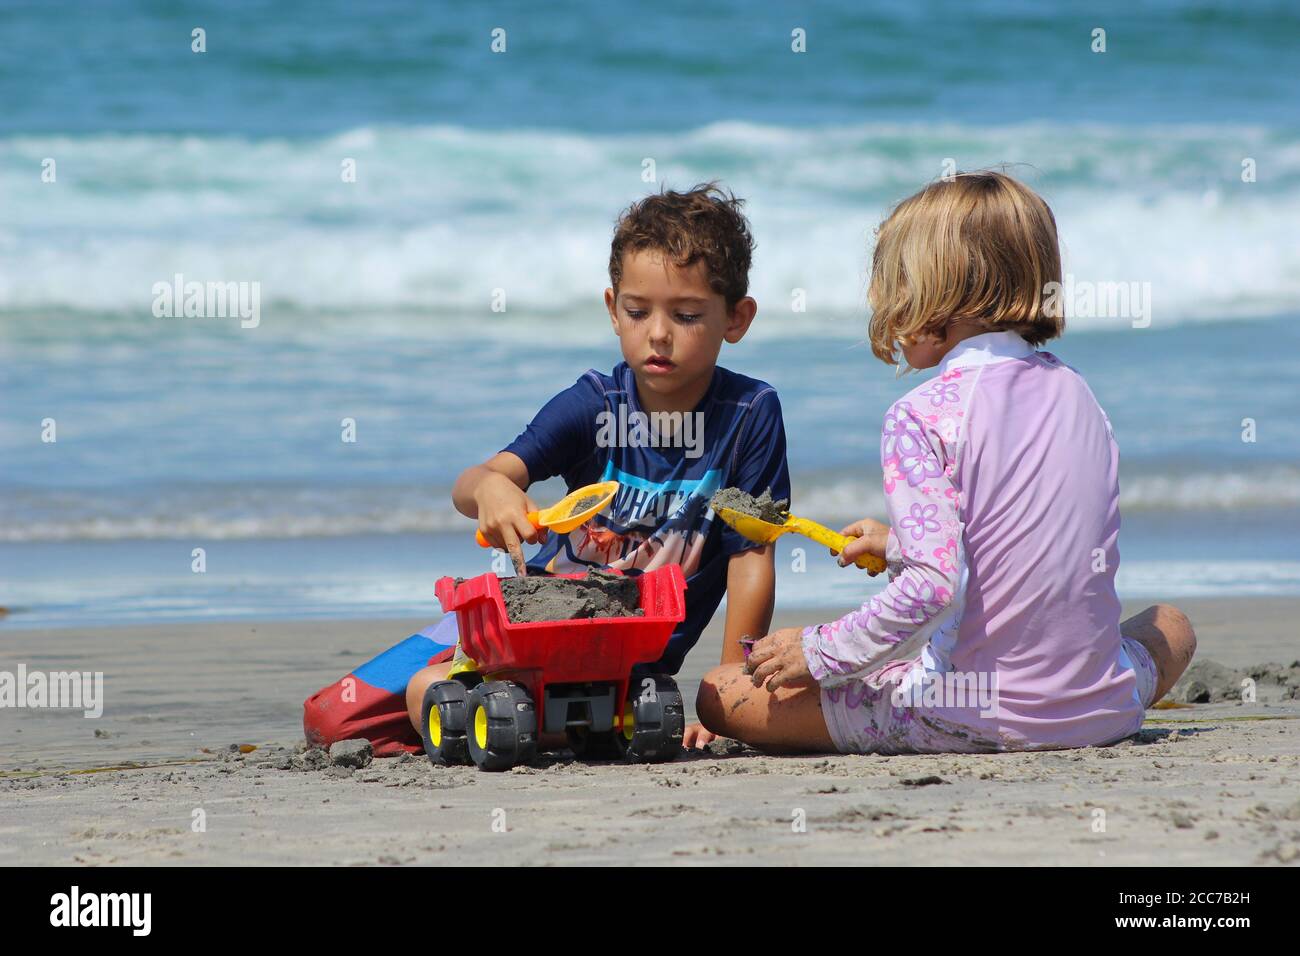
(582, 504)
(762, 507)
(600, 594)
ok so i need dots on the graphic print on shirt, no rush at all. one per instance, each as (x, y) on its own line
(648, 525)
(661, 514)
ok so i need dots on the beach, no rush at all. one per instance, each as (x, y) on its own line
(223, 506)
(1207, 783)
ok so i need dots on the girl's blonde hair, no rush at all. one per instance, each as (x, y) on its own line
(978, 248)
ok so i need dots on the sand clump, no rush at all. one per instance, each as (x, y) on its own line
(762, 507)
(600, 594)
(1207, 681)
(356, 753)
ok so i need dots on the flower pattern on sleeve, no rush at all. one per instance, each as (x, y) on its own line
(942, 393)
(920, 465)
(903, 433)
(920, 520)
(918, 446)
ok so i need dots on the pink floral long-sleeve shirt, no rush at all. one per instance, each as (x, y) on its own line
(1001, 478)
(918, 452)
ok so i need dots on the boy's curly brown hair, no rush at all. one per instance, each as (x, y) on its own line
(703, 223)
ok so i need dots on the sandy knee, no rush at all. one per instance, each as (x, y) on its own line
(715, 689)
(1166, 633)
(1178, 631)
(708, 702)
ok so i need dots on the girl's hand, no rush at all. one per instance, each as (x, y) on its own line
(777, 660)
(503, 517)
(869, 537)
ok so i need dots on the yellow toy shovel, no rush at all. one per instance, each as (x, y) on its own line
(570, 511)
(765, 532)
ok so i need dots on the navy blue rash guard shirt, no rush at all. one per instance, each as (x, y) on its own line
(661, 514)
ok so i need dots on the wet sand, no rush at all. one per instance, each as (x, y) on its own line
(1210, 783)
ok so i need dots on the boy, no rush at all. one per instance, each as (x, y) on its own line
(669, 424)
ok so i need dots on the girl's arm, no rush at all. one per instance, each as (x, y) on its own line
(924, 550)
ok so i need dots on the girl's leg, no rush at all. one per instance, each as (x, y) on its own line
(787, 721)
(1167, 635)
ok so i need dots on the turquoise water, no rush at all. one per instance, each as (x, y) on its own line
(480, 171)
(275, 69)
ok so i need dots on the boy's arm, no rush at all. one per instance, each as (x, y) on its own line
(751, 570)
(751, 595)
(504, 463)
(494, 493)
(559, 435)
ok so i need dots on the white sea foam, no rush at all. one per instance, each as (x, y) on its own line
(442, 216)
(372, 587)
(1164, 579)
(273, 512)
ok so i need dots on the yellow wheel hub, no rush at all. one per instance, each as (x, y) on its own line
(629, 725)
(435, 726)
(480, 728)
(462, 665)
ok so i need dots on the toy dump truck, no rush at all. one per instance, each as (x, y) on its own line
(572, 677)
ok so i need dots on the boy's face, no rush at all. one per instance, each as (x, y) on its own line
(671, 326)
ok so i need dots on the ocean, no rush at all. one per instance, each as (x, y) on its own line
(1171, 161)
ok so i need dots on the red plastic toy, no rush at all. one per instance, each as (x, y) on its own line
(556, 677)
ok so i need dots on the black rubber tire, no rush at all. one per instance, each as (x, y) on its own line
(510, 725)
(450, 698)
(658, 721)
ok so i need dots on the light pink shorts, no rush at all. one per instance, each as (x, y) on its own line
(862, 717)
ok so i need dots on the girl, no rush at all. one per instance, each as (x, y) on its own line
(999, 628)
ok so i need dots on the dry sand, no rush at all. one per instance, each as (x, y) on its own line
(1214, 783)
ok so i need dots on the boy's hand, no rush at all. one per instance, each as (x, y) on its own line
(503, 517)
(696, 737)
(869, 537)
